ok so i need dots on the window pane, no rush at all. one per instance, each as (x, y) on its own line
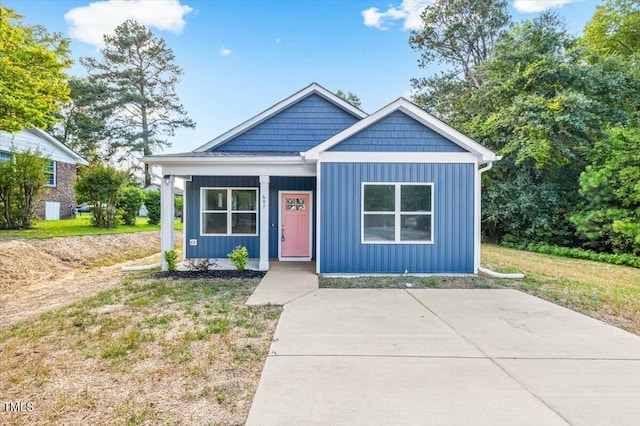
(243, 223)
(215, 199)
(379, 198)
(243, 199)
(379, 227)
(214, 223)
(415, 198)
(414, 227)
(4, 156)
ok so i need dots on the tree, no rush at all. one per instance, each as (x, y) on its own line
(614, 28)
(101, 185)
(152, 203)
(83, 120)
(460, 34)
(22, 183)
(350, 97)
(542, 106)
(140, 75)
(32, 79)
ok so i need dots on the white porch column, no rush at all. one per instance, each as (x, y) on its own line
(264, 223)
(166, 217)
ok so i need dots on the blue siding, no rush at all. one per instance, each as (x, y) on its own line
(281, 183)
(397, 132)
(215, 247)
(301, 126)
(341, 249)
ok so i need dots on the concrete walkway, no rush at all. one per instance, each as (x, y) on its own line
(445, 357)
(284, 283)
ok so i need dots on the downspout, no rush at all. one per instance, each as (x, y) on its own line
(480, 268)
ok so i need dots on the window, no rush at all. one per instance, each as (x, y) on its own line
(397, 213)
(4, 156)
(50, 173)
(229, 211)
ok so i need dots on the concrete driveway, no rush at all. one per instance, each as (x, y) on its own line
(445, 357)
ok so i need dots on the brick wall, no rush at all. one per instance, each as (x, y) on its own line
(62, 192)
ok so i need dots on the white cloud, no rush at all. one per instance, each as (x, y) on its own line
(532, 6)
(278, 40)
(408, 12)
(224, 52)
(90, 23)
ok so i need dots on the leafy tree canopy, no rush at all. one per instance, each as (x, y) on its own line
(350, 97)
(32, 78)
(614, 28)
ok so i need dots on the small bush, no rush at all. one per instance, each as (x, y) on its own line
(170, 256)
(201, 265)
(239, 257)
(129, 203)
(152, 202)
(577, 253)
(100, 185)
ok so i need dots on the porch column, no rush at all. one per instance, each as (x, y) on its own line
(264, 223)
(166, 217)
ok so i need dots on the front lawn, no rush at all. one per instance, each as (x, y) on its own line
(81, 225)
(152, 351)
(607, 292)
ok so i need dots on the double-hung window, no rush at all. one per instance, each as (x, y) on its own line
(229, 211)
(50, 173)
(397, 213)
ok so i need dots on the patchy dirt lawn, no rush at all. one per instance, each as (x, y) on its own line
(86, 343)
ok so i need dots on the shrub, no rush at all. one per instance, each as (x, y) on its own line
(239, 257)
(576, 253)
(100, 185)
(152, 202)
(129, 203)
(170, 256)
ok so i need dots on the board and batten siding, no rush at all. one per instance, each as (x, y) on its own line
(397, 133)
(215, 246)
(341, 249)
(299, 127)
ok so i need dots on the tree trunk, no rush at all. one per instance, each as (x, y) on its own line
(145, 140)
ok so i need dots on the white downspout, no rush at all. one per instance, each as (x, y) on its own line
(478, 245)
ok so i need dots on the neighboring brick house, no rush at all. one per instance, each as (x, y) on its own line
(58, 201)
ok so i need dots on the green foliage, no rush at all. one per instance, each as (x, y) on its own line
(32, 79)
(576, 253)
(170, 256)
(100, 185)
(138, 71)
(613, 29)
(350, 97)
(610, 186)
(239, 257)
(152, 203)
(129, 203)
(22, 183)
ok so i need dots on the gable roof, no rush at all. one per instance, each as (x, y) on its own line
(29, 136)
(313, 88)
(418, 114)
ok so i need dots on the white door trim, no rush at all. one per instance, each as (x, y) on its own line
(295, 259)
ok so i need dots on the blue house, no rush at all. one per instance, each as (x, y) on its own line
(315, 178)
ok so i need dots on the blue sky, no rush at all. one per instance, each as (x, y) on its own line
(241, 57)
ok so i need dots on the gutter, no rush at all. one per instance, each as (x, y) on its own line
(486, 271)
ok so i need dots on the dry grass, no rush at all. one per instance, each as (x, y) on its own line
(150, 351)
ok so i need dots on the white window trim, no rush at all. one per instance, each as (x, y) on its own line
(397, 212)
(229, 211)
(55, 175)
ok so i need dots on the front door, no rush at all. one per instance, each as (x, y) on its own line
(295, 224)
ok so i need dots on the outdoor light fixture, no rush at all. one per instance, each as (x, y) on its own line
(167, 179)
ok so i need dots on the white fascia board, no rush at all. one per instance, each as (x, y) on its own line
(414, 112)
(280, 106)
(59, 145)
(169, 159)
(210, 169)
(397, 157)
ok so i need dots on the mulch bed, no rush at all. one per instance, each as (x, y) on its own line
(211, 274)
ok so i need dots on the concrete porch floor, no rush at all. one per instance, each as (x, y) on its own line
(284, 283)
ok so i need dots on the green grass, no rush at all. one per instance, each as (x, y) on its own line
(81, 225)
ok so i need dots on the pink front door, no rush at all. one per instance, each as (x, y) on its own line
(295, 224)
